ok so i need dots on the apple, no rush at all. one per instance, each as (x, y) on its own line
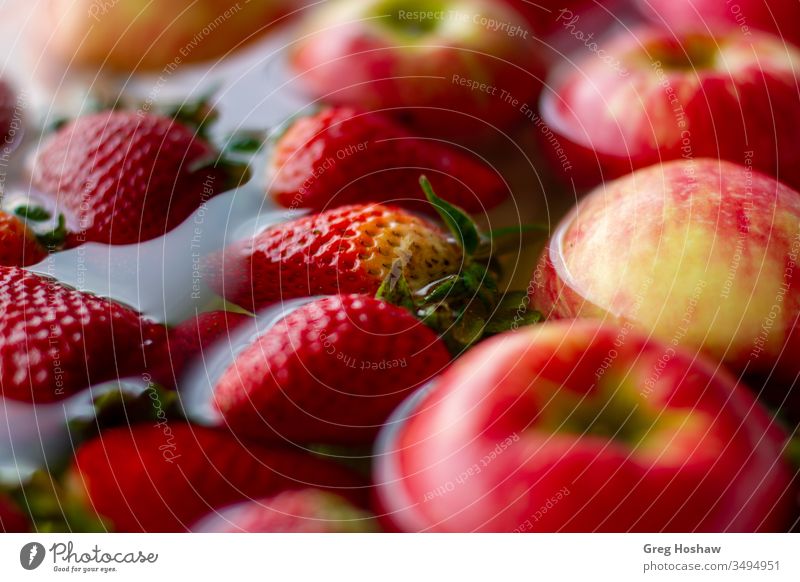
(131, 35)
(543, 15)
(454, 68)
(781, 17)
(9, 122)
(648, 96)
(702, 254)
(578, 426)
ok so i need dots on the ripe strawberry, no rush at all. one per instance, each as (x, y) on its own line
(122, 177)
(343, 156)
(18, 245)
(54, 340)
(351, 249)
(11, 518)
(193, 336)
(164, 477)
(332, 371)
(301, 511)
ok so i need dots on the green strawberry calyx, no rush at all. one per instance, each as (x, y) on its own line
(468, 306)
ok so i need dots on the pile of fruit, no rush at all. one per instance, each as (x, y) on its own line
(407, 328)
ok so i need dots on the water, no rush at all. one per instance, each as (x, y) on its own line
(35, 437)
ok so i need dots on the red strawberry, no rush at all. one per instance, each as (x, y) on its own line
(346, 250)
(331, 371)
(164, 477)
(18, 245)
(54, 340)
(344, 156)
(123, 177)
(11, 518)
(193, 336)
(302, 511)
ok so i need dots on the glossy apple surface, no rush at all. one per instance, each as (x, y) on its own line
(781, 17)
(702, 254)
(579, 426)
(459, 68)
(651, 97)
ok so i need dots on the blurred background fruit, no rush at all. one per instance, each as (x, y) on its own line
(131, 35)
(781, 17)
(658, 97)
(455, 69)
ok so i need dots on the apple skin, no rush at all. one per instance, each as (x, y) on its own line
(518, 436)
(780, 17)
(8, 107)
(669, 98)
(701, 254)
(367, 54)
(131, 35)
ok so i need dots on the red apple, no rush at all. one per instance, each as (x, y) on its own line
(129, 35)
(702, 254)
(650, 97)
(781, 17)
(543, 15)
(10, 120)
(458, 68)
(581, 427)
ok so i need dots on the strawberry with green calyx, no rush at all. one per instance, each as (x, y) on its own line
(331, 371)
(19, 244)
(466, 306)
(369, 249)
(123, 177)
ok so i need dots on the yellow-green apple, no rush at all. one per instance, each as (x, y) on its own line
(702, 254)
(781, 17)
(129, 35)
(580, 426)
(651, 96)
(455, 68)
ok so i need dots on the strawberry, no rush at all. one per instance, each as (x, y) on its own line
(345, 250)
(18, 245)
(344, 156)
(12, 519)
(195, 335)
(55, 341)
(447, 280)
(301, 511)
(122, 177)
(331, 371)
(163, 477)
